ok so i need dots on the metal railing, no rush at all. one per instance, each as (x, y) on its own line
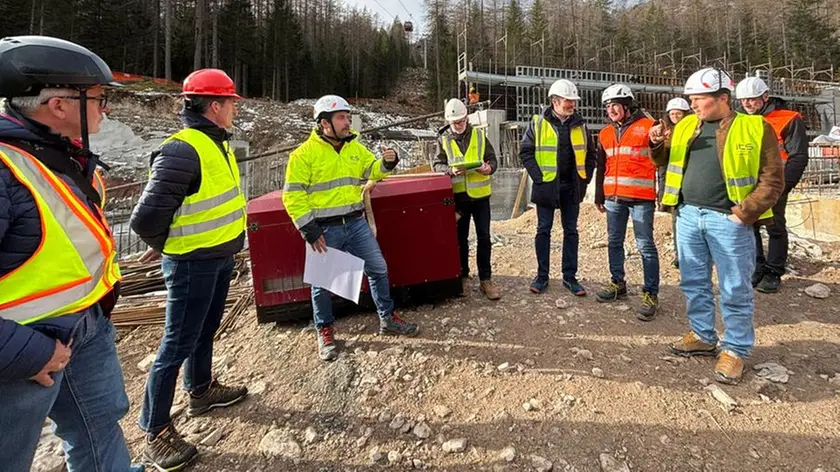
(822, 176)
(259, 177)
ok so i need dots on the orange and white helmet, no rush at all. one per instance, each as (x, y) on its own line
(329, 104)
(708, 80)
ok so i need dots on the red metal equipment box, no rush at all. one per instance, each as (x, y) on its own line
(415, 221)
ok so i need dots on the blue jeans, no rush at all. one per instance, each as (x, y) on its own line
(569, 211)
(86, 403)
(707, 237)
(356, 238)
(195, 302)
(642, 214)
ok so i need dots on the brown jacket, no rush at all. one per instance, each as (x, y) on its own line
(771, 177)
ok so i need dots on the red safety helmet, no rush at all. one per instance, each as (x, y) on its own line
(212, 82)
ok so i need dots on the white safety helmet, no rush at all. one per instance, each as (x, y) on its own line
(708, 80)
(678, 103)
(616, 91)
(455, 110)
(751, 87)
(329, 104)
(564, 89)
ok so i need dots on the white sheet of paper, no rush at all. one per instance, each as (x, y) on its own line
(337, 271)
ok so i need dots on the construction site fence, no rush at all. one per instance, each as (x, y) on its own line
(822, 176)
(266, 175)
(258, 177)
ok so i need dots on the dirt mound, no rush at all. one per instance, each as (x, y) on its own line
(531, 378)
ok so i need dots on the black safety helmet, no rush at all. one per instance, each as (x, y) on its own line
(29, 64)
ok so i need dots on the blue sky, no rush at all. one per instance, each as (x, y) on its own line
(388, 9)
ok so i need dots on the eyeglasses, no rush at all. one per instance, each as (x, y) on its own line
(102, 99)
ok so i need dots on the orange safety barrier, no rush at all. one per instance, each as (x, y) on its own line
(123, 77)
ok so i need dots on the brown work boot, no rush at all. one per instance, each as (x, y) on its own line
(729, 368)
(691, 345)
(490, 290)
(465, 286)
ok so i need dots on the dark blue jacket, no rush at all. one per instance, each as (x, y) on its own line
(548, 194)
(176, 173)
(24, 350)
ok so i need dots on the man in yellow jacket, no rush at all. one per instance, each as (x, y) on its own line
(323, 197)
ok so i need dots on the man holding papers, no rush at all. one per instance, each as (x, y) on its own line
(323, 197)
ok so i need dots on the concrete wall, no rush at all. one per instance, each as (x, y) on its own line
(814, 217)
(491, 120)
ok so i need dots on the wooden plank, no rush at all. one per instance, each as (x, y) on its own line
(520, 194)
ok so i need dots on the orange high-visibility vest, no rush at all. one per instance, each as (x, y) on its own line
(75, 264)
(779, 120)
(630, 173)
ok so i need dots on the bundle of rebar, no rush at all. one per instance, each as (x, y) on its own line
(143, 295)
(151, 310)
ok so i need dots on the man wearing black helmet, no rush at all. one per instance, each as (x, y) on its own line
(59, 278)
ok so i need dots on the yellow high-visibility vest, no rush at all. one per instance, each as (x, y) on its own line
(741, 158)
(76, 263)
(545, 141)
(476, 185)
(216, 213)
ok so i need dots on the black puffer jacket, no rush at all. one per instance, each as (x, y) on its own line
(24, 350)
(176, 173)
(548, 194)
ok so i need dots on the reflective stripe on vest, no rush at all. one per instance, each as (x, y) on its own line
(545, 143)
(99, 186)
(779, 120)
(75, 263)
(741, 158)
(216, 213)
(476, 185)
(322, 182)
(630, 173)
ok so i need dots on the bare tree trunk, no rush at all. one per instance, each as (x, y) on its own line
(32, 18)
(168, 39)
(215, 62)
(41, 27)
(264, 51)
(274, 85)
(243, 81)
(199, 33)
(156, 45)
(437, 53)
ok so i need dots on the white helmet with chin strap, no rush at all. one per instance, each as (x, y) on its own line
(329, 104)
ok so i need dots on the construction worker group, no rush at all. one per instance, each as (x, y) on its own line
(722, 173)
